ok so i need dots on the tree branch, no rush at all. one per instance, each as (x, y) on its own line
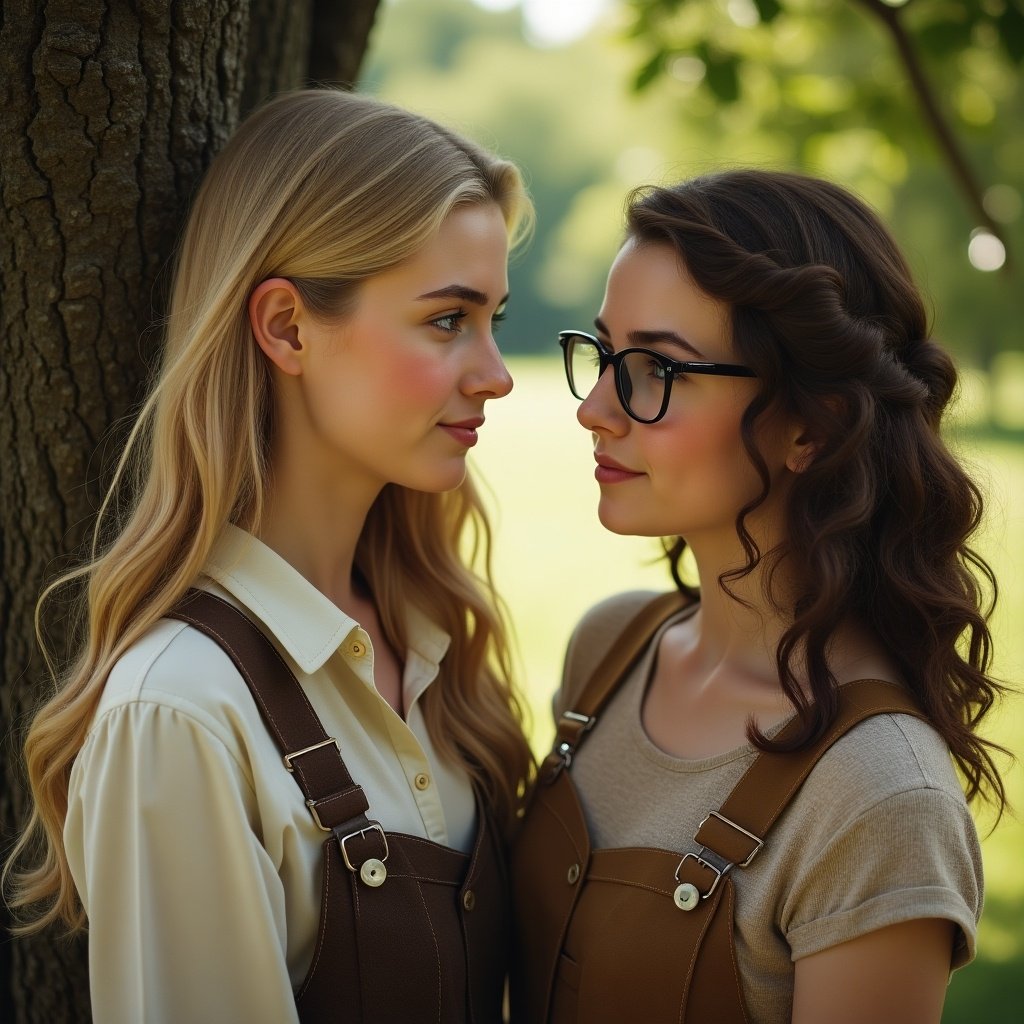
(935, 120)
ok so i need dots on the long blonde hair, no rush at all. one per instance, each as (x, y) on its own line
(326, 188)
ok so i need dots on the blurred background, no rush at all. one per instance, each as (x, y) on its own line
(916, 106)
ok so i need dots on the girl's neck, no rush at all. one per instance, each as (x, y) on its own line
(738, 629)
(314, 523)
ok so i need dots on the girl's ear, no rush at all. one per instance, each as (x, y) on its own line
(275, 309)
(807, 442)
(802, 450)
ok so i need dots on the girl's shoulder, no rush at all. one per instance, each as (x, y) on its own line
(600, 628)
(884, 757)
(175, 666)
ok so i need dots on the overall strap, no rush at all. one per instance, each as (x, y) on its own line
(624, 652)
(336, 803)
(732, 835)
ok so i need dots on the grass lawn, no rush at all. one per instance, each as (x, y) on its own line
(553, 560)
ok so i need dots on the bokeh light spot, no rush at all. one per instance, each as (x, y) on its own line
(985, 251)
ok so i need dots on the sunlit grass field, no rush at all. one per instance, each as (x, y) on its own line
(553, 560)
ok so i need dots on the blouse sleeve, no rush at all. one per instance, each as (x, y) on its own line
(913, 855)
(186, 910)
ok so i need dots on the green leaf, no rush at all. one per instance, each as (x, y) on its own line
(1011, 32)
(767, 10)
(723, 78)
(651, 70)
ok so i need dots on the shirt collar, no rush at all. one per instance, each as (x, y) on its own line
(307, 624)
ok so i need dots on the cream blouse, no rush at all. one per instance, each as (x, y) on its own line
(193, 852)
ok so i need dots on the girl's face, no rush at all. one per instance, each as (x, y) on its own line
(687, 474)
(395, 392)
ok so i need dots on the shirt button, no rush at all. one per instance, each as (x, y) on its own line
(469, 899)
(357, 648)
(573, 874)
(422, 780)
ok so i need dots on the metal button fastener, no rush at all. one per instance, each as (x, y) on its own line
(422, 780)
(357, 649)
(373, 872)
(469, 899)
(686, 896)
(573, 874)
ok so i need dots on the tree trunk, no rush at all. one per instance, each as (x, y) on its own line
(112, 109)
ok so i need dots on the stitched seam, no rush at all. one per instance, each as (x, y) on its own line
(423, 878)
(418, 839)
(899, 795)
(358, 943)
(244, 767)
(544, 807)
(731, 910)
(693, 960)
(437, 951)
(834, 735)
(255, 602)
(913, 750)
(626, 881)
(323, 921)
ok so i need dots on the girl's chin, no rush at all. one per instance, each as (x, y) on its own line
(614, 521)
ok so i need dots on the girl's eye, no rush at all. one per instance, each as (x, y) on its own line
(658, 370)
(498, 319)
(449, 323)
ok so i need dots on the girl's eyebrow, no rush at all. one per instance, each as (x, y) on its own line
(642, 339)
(461, 291)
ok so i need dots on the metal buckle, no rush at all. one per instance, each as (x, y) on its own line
(288, 758)
(720, 873)
(574, 716)
(373, 826)
(311, 804)
(565, 749)
(739, 828)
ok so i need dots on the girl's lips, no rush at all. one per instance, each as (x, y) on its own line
(464, 435)
(613, 475)
(609, 471)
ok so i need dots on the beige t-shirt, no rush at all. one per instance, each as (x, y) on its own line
(879, 833)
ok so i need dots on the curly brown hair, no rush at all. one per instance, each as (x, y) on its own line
(824, 309)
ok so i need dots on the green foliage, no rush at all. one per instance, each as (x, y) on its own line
(825, 76)
(668, 88)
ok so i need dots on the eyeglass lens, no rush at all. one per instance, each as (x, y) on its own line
(641, 379)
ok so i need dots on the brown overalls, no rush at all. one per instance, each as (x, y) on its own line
(410, 931)
(624, 935)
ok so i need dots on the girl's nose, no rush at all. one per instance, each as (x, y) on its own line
(601, 410)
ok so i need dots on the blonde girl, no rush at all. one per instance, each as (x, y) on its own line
(300, 460)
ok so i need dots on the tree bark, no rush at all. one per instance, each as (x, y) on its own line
(112, 110)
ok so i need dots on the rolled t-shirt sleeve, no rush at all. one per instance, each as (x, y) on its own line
(913, 855)
(186, 910)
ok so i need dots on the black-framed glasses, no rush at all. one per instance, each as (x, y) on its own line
(643, 378)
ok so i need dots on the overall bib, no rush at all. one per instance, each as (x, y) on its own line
(410, 931)
(608, 936)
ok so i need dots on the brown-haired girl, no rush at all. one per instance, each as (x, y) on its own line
(276, 779)
(751, 812)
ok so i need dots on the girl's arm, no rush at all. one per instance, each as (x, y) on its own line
(895, 975)
(186, 910)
